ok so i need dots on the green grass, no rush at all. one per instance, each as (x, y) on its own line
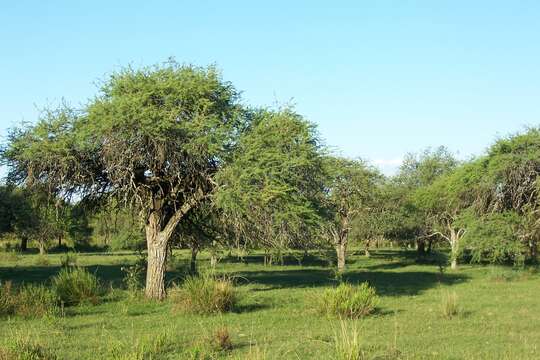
(277, 316)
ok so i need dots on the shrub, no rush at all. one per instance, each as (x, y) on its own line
(205, 294)
(76, 286)
(133, 275)
(42, 260)
(35, 301)
(450, 305)
(349, 301)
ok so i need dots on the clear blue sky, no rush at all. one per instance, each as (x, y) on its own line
(380, 78)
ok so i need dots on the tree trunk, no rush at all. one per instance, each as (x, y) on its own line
(341, 250)
(213, 260)
(24, 243)
(193, 261)
(41, 246)
(157, 256)
(454, 244)
(420, 248)
(59, 241)
(366, 249)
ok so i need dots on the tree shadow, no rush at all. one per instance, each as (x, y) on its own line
(386, 283)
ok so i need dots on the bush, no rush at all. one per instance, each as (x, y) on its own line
(76, 286)
(205, 294)
(28, 301)
(349, 301)
(222, 339)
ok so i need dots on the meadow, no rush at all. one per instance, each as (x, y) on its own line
(496, 311)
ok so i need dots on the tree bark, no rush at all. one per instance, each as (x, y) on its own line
(41, 246)
(420, 248)
(157, 255)
(454, 244)
(341, 251)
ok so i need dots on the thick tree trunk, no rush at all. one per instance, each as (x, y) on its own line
(155, 274)
(157, 255)
(341, 251)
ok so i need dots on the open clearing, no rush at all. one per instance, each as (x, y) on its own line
(277, 316)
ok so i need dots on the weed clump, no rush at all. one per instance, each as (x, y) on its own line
(205, 294)
(450, 305)
(24, 349)
(74, 286)
(349, 301)
(30, 301)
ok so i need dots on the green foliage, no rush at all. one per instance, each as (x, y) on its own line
(133, 275)
(205, 294)
(493, 237)
(349, 301)
(271, 192)
(75, 286)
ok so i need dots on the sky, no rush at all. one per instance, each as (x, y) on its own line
(380, 78)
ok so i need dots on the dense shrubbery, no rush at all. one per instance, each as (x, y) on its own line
(349, 301)
(75, 286)
(205, 294)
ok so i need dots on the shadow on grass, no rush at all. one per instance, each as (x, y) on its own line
(386, 283)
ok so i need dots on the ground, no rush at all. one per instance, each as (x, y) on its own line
(277, 317)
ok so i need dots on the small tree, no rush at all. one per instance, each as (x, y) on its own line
(271, 193)
(350, 192)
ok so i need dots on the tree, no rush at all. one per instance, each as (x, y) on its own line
(418, 171)
(445, 200)
(153, 138)
(271, 192)
(350, 188)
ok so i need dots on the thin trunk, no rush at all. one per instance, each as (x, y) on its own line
(24, 243)
(420, 247)
(193, 261)
(213, 260)
(454, 244)
(41, 246)
(366, 249)
(430, 245)
(59, 241)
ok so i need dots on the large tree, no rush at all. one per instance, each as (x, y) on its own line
(153, 138)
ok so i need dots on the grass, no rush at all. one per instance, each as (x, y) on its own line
(275, 316)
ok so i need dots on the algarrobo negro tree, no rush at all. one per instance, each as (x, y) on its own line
(153, 138)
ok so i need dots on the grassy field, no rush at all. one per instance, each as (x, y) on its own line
(277, 316)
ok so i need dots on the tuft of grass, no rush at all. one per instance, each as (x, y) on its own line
(349, 301)
(25, 349)
(222, 339)
(68, 260)
(42, 260)
(347, 343)
(450, 305)
(9, 256)
(157, 348)
(75, 286)
(29, 301)
(205, 294)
